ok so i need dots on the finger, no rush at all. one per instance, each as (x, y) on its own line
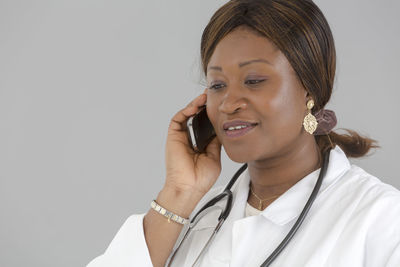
(214, 149)
(181, 116)
(198, 101)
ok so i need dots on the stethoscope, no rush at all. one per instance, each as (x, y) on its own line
(227, 193)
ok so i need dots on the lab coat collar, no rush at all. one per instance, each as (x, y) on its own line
(290, 204)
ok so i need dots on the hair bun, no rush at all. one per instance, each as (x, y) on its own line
(326, 119)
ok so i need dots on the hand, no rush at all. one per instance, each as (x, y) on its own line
(186, 170)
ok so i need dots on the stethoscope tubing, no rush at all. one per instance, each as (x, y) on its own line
(303, 214)
(227, 193)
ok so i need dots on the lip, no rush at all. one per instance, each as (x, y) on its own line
(233, 123)
(239, 133)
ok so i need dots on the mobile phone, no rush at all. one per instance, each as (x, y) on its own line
(200, 130)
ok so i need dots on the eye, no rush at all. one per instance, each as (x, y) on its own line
(254, 81)
(216, 86)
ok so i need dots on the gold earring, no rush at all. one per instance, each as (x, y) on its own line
(310, 122)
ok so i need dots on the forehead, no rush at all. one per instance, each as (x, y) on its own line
(243, 44)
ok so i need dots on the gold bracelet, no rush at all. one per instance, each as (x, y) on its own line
(168, 214)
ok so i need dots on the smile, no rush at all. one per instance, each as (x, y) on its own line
(238, 130)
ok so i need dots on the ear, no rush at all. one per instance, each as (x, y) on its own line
(307, 96)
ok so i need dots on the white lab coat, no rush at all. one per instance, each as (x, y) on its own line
(354, 222)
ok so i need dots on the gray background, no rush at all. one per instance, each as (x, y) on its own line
(87, 90)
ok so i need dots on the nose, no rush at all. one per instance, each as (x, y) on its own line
(232, 101)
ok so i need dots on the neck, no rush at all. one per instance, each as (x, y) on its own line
(273, 177)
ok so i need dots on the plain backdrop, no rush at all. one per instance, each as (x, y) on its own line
(87, 90)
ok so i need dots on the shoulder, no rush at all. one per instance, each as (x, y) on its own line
(369, 187)
(377, 213)
(372, 203)
(364, 213)
(359, 198)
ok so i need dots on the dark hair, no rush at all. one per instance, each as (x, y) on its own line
(300, 31)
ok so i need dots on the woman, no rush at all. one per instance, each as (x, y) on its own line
(270, 67)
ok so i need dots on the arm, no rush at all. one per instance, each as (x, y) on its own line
(148, 239)
(189, 177)
(128, 247)
(160, 234)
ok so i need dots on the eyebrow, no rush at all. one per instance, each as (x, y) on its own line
(242, 64)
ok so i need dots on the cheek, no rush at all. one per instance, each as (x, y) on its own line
(283, 111)
(212, 111)
(288, 103)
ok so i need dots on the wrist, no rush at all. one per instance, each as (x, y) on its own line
(180, 202)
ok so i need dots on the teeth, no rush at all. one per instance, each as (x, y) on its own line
(237, 127)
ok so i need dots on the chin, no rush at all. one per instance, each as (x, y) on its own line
(245, 152)
(240, 155)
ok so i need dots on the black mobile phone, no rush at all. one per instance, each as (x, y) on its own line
(200, 130)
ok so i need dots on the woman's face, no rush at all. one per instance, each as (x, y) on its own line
(249, 79)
